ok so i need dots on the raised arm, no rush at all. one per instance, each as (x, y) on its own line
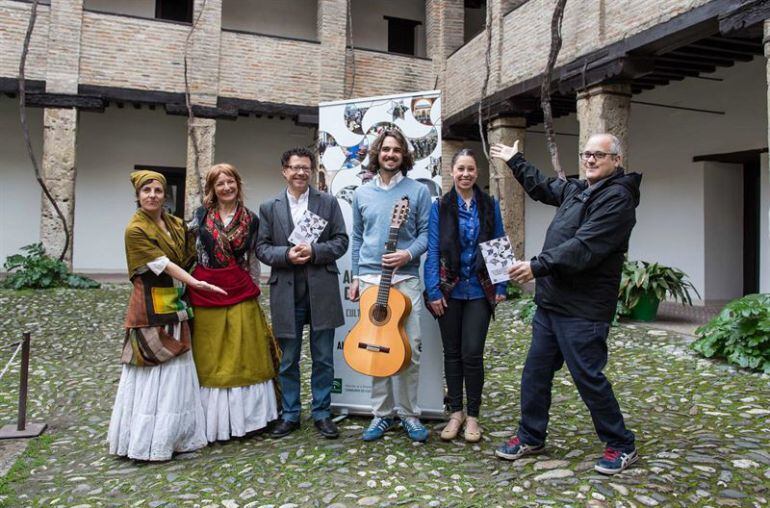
(548, 190)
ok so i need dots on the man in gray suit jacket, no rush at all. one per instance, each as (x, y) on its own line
(304, 288)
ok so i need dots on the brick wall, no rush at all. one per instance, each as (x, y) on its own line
(465, 75)
(269, 69)
(384, 74)
(588, 25)
(14, 17)
(132, 53)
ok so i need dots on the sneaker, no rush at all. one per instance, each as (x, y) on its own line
(514, 449)
(414, 429)
(614, 461)
(378, 428)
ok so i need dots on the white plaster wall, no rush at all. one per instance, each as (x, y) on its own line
(370, 29)
(764, 228)
(143, 8)
(254, 146)
(723, 230)
(537, 216)
(291, 18)
(19, 191)
(662, 143)
(109, 145)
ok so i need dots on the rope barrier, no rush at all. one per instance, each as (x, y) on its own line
(13, 357)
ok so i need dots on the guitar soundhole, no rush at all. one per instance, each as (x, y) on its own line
(379, 314)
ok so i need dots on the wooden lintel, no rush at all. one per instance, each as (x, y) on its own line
(58, 100)
(202, 111)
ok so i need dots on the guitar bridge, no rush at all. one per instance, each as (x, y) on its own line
(373, 347)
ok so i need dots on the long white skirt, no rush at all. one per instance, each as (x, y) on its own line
(158, 411)
(233, 412)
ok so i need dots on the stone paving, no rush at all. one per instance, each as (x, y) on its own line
(702, 427)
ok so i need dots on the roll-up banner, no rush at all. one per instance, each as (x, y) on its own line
(345, 131)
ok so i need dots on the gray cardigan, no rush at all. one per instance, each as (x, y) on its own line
(275, 226)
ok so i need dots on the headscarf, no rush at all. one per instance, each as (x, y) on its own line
(146, 242)
(142, 176)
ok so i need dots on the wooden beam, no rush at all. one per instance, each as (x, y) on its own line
(748, 13)
(203, 111)
(58, 100)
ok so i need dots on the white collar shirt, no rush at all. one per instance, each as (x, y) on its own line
(297, 206)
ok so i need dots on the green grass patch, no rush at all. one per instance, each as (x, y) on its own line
(33, 457)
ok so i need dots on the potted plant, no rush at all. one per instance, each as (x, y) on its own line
(643, 285)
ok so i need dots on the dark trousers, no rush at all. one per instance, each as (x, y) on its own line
(322, 373)
(464, 328)
(582, 345)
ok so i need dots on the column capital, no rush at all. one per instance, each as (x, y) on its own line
(507, 122)
(619, 89)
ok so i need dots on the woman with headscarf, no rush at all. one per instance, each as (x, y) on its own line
(157, 409)
(235, 352)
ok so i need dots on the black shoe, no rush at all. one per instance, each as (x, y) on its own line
(327, 428)
(283, 428)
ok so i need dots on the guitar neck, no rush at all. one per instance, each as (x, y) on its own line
(386, 277)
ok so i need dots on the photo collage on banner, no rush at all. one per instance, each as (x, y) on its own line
(345, 131)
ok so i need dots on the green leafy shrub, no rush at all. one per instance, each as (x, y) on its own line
(36, 270)
(740, 333)
(524, 309)
(642, 277)
(513, 291)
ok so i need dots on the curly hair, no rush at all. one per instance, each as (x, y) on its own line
(299, 152)
(209, 196)
(407, 161)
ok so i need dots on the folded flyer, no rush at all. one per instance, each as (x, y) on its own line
(499, 258)
(308, 229)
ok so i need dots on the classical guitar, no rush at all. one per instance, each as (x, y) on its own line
(378, 345)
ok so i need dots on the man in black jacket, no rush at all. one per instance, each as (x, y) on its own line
(577, 279)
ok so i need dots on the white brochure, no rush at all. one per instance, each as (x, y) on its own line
(499, 258)
(309, 228)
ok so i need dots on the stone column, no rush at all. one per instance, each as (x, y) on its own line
(203, 79)
(332, 60)
(503, 185)
(605, 108)
(60, 126)
(58, 172)
(204, 130)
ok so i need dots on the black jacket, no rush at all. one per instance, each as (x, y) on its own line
(578, 271)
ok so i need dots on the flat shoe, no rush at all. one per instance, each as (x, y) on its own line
(472, 436)
(452, 428)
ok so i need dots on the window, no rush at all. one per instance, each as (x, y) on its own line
(475, 18)
(174, 10)
(401, 35)
(175, 180)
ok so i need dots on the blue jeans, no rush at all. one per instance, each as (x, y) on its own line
(582, 345)
(322, 375)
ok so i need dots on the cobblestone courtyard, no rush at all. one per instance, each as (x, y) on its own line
(703, 431)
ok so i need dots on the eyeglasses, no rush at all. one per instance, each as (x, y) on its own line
(596, 155)
(299, 169)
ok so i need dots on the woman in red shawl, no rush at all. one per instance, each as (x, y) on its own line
(233, 346)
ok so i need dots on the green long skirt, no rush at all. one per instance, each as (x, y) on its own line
(233, 346)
